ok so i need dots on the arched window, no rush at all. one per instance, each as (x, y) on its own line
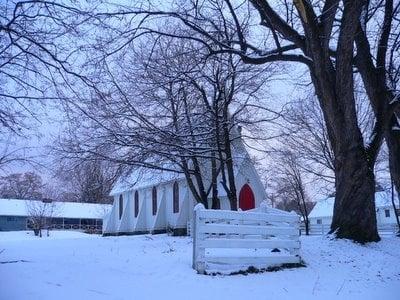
(175, 196)
(136, 203)
(121, 206)
(154, 198)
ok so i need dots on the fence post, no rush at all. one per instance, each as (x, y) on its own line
(264, 209)
(198, 262)
(263, 206)
(296, 251)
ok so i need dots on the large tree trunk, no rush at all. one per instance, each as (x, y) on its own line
(226, 163)
(229, 159)
(231, 172)
(354, 215)
(199, 182)
(197, 194)
(374, 76)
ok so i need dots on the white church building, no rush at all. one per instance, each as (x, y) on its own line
(155, 201)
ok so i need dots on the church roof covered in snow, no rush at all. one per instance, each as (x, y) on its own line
(142, 178)
(17, 207)
(324, 208)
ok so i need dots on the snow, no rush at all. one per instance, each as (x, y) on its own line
(142, 178)
(199, 206)
(78, 266)
(324, 208)
(8, 236)
(16, 207)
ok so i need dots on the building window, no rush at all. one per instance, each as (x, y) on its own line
(11, 219)
(387, 213)
(121, 206)
(57, 221)
(398, 211)
(71, 221)
(319, 221)
(154, 200)
(176, 197)
(136, 203)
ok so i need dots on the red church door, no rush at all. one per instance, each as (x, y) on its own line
(246, 198)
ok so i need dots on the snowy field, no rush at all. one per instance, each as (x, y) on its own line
(71, 265)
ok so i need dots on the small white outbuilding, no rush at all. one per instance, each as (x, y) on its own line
(385, 214)
(155, 201)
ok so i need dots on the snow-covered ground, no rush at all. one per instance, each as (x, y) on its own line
(71, 265)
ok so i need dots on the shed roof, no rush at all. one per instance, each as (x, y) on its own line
(17, 207)
(324, 208)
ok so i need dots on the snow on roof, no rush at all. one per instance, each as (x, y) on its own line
(324, 208)
(141, 178)
(16, 207)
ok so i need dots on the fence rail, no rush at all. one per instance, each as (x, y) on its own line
(260, 238)
(96, 228)
(79, 227)
(321, 229)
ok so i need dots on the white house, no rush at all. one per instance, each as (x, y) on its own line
(323, 210)
(153, 201)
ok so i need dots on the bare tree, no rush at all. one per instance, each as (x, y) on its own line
(289, 186)
(40, 214)
(321, 36)
(21, 186)
(39, 43)
(86, 180)
(378, 62)
(12, 155)
(170, 112)
(303, 128)
(41, 46)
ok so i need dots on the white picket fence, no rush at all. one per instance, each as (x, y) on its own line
(321, 229)
(224, 240)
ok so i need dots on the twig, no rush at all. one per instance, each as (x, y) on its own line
(315, 284)
(341, 287)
